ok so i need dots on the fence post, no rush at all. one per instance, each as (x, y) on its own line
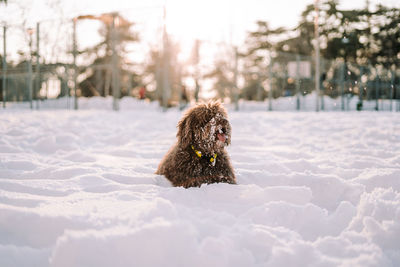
(30, 82)
(196, 69)
(4, 66)
(158, 76)
(376, 83)
(235, 77)
(38, 78)
(342, 82)
(115, 78)
(298, 82)
(321, 83)
(74, 52)
(391, 89)
(360, 89)
(67, 87)
(317, 57)
(259, 88)
(270, 86)
(165, 66)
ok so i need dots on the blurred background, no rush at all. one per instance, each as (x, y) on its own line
(281, 55)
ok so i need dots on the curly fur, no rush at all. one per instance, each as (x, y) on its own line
(200, 127)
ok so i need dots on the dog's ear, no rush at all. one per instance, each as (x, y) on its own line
(184, 133)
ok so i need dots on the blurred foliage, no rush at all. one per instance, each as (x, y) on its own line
(360, 38)
(98, 74)
(160, 63)
(357, 35)
(360, 41)
(222, 82)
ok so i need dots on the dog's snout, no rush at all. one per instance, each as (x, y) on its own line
(222, 137)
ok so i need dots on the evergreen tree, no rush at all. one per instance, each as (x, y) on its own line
(175, 73)
(98, 81)
(386, 37)
(222, 82)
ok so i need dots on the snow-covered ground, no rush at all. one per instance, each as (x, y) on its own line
(314, 189)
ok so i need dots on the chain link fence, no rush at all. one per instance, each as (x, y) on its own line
(107, 55)
(89, 55)
(343, 85)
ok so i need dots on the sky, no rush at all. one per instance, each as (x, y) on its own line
(213, 21)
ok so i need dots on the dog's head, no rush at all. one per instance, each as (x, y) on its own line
(206, 127)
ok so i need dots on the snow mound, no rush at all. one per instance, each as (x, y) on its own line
(314, 189)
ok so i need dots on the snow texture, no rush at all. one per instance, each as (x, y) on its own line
(314, 189)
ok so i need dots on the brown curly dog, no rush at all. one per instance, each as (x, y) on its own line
(199, 155)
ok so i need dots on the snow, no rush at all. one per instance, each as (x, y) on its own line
(314, 189)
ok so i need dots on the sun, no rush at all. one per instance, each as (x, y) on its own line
(191, 20)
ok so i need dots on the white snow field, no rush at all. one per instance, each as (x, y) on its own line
(314, 189)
